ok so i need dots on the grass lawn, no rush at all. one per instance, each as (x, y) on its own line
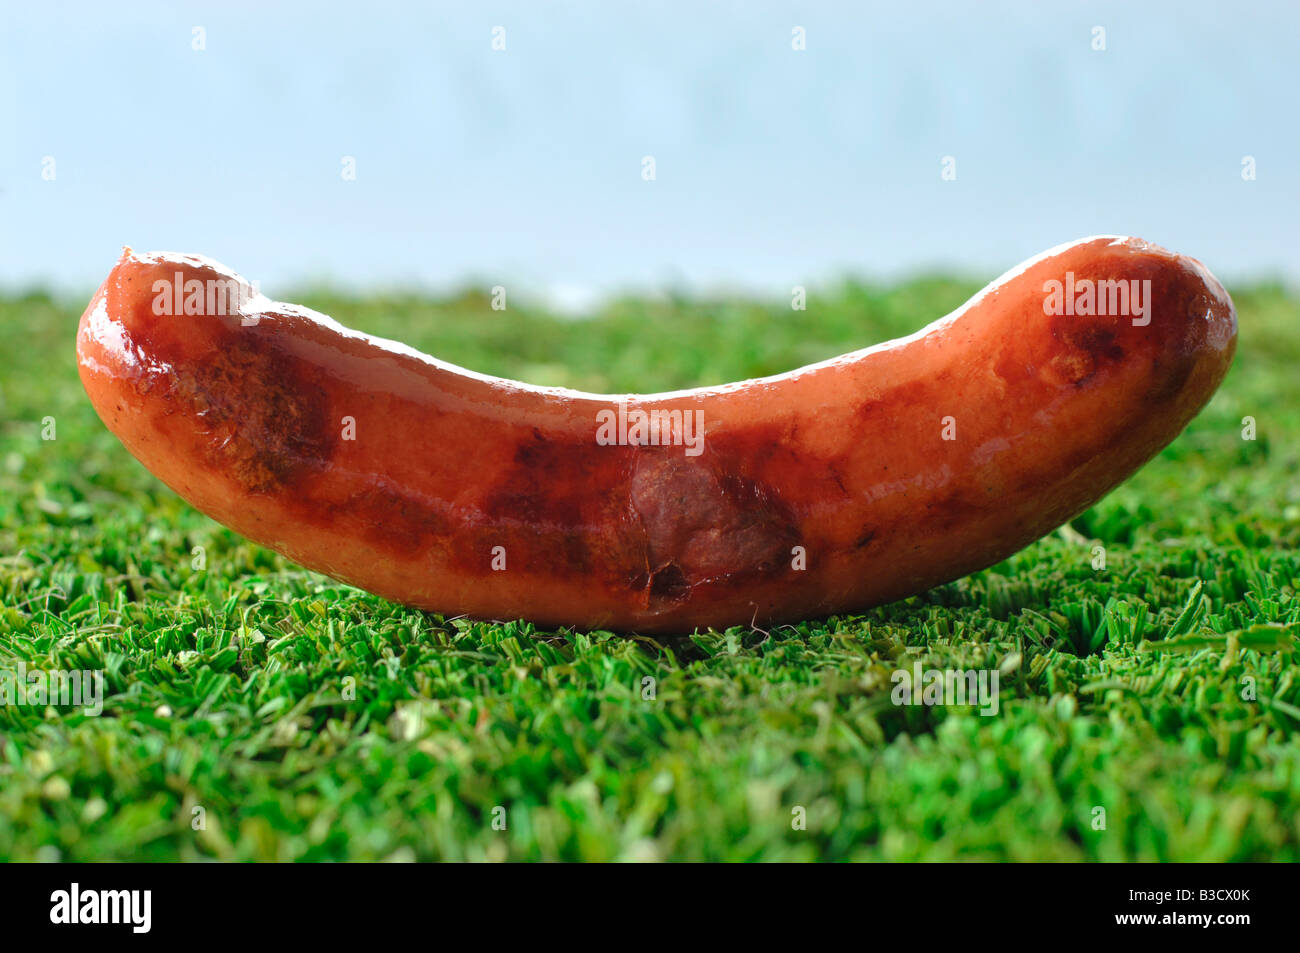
(255, 711)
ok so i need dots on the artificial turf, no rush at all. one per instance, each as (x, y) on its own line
(256, 711)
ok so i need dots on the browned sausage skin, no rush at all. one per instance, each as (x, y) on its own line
(831, 488)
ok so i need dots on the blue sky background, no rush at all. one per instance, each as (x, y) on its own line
(523, 167)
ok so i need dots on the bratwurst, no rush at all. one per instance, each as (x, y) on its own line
(831, 488)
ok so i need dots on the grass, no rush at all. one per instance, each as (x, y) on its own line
(255, 711)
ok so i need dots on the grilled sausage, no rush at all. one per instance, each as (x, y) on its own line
(835, 487)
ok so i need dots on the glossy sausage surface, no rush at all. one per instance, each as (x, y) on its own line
(834, 487)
